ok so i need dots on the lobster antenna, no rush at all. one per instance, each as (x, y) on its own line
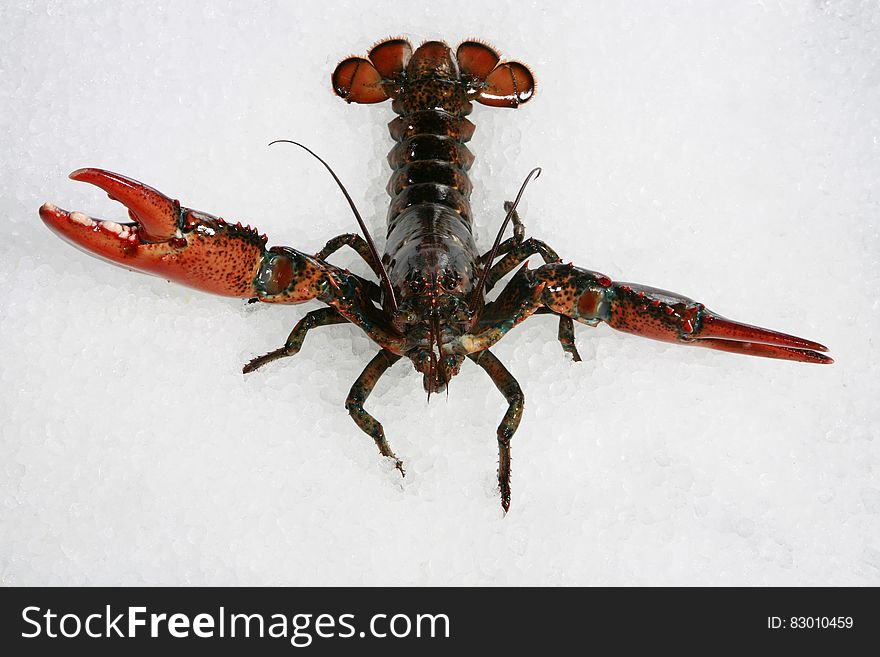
(383, 274)
(534, 173)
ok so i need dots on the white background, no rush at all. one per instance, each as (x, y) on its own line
(726, 152)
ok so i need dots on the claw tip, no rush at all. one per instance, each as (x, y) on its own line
(47, 211)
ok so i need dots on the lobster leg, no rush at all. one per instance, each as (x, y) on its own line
(515, 251)
(566, 337)
(515, 242)
(590, 298)
(358, 394)
(519, 234)
(519, 228)
(320, 317)
(509, 387)
(516, 256)
(356, 242)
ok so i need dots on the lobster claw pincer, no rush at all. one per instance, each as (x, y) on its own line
(671, 317)
(719, 333)
(155, 218)
(163, 239)
(591, 297)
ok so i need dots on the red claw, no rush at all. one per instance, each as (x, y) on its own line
(667, 316)
(674, 318)
(725, 335)
(155, 218)
(157, 215)
(186, 246)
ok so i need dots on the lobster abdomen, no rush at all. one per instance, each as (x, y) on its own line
(429, 218)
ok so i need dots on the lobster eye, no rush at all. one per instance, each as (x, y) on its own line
(448, 280)
(402, 319)
(416, 281)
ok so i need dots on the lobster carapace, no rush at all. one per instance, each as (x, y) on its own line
(430, 304)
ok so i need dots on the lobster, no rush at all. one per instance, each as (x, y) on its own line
(430, 304)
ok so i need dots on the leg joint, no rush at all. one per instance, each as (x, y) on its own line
(354, 406)
(505, 434)
(514, 395)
